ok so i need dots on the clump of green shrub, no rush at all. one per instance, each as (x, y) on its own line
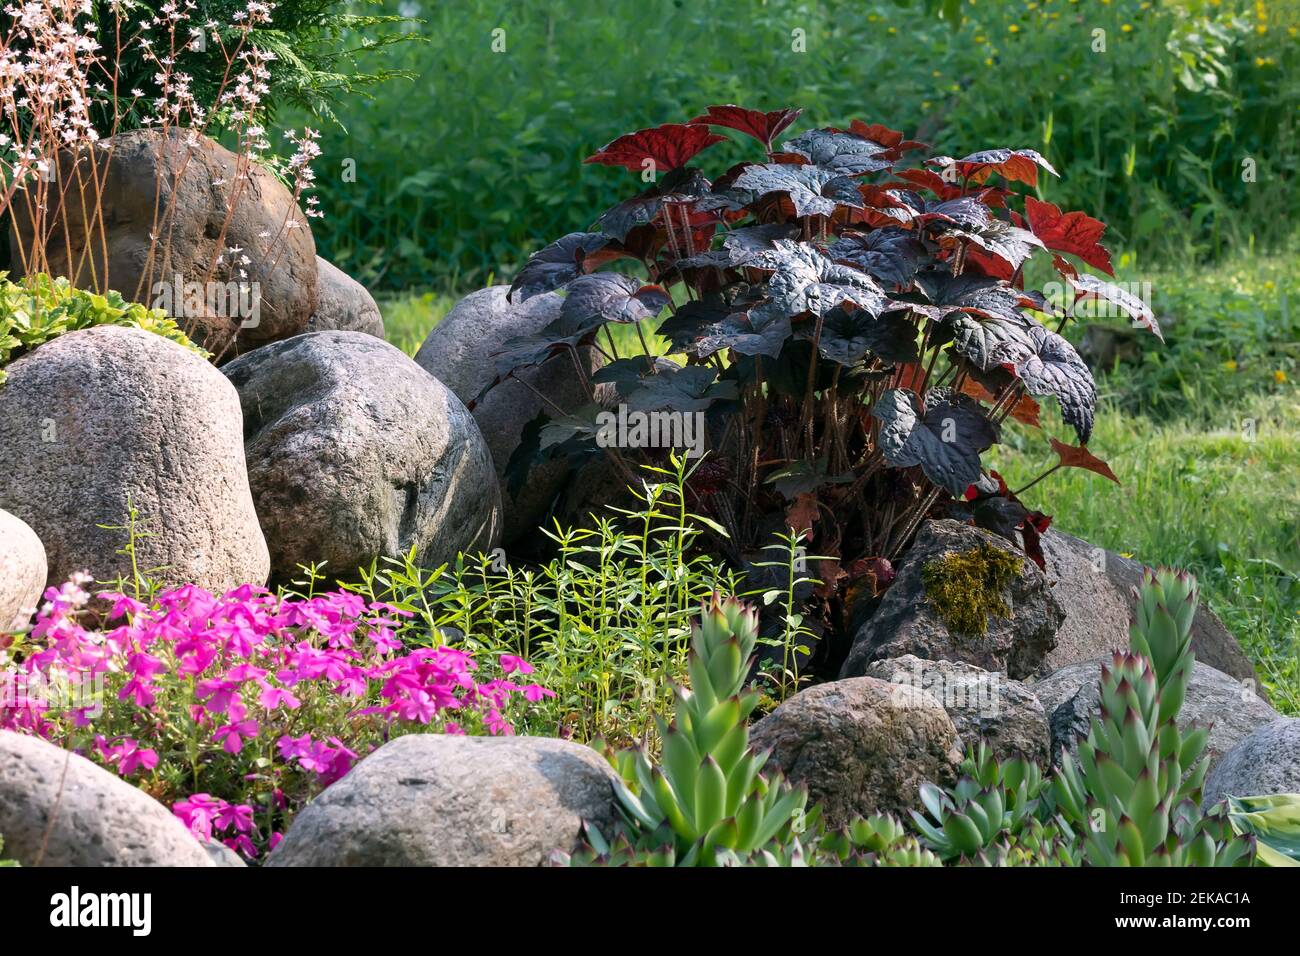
(40, 308)
(608, 618)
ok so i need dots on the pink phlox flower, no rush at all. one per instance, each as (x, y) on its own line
(496, 724)
(197, 813)
(123, 606)
(233, 735)
(340, 762)
(292, 748)
(510, 663)
(273, 697)
(217, 693)
(535, 692)
(384, 639)
(231, 815)
(241, 844)
(195, 656)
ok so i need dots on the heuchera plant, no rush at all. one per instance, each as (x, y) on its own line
(856, 333)
(237, 708)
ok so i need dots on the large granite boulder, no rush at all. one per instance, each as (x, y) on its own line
(460, 353)
(861, 745)
(434, 800)
(1095, 588)
(22, 571)
(220, 221)
(1266, 761)
(355, 453)
(343, 304)
(59, 809)
(1228, 706)
(997, 614)
(984, 706)
(102, 421)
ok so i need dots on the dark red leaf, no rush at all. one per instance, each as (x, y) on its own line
(892, 140)
(1064, 267)
(1074, 232)
(1072, 457)
(1020, 165)
(803, 513)
(1025, 411)
(764, 127)
(929, 179)
(876, 574)
(669, 147)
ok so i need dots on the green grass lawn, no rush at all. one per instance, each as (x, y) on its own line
(1203, 434)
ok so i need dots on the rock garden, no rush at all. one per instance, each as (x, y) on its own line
(681, 543)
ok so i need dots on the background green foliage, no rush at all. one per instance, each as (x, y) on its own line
(325, 53)
(476, 161)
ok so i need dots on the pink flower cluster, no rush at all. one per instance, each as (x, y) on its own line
(208, 817)
(247, 687)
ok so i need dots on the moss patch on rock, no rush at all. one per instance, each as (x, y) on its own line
(965, 587)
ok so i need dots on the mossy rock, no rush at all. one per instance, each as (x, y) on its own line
(967, 588)
(962, 594)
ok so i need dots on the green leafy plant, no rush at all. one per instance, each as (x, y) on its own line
(999, 813)
(1135, 790)
(1274, 822)
(4, 862)
(39, 308)
(793, 641)
(606, 621)
(707, 802)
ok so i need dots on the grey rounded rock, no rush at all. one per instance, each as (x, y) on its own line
(59, 809)
(983, 705)
(1095, 589)
(355, 453)
(205, 202)
(22, 571)
(459, 352)
(435, 800)
(100, 421)
(222, 855)
(907, 622)
(1228, 706)
(861, 745)
(1266, 761)
(343, 304)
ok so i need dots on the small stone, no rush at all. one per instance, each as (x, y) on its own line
(984, 706)
(435, 800)
(861, 745)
